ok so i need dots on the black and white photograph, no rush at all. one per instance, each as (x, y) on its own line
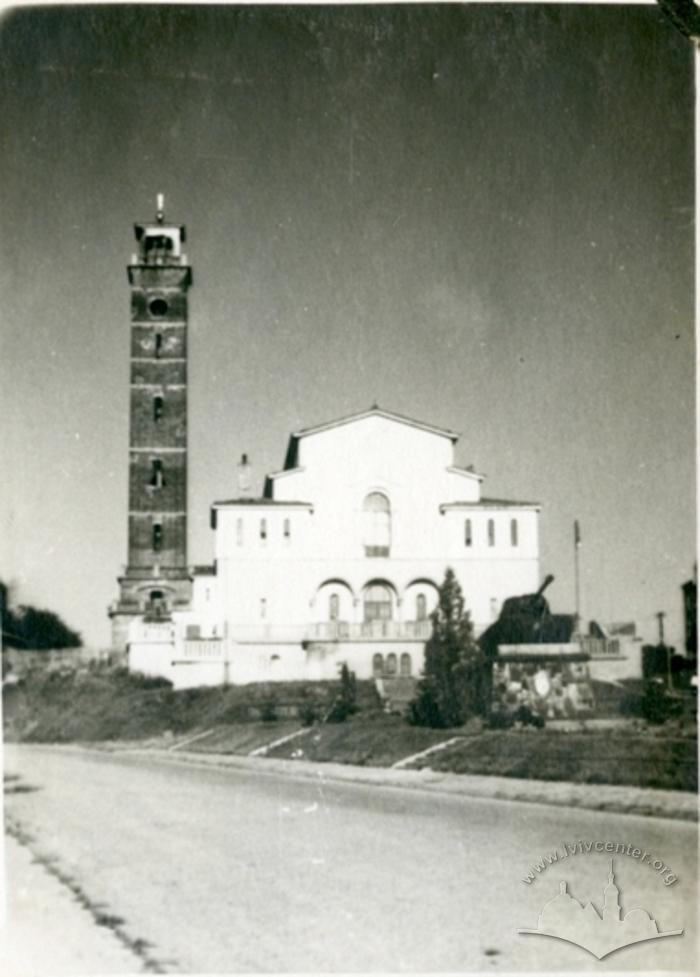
(348, 555)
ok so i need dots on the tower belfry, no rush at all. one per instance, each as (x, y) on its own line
(156, 579)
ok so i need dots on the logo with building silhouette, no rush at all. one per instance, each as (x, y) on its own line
(565, 918)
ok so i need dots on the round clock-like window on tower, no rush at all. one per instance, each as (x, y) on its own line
(158, 307)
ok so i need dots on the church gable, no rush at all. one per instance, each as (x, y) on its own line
(375, 447)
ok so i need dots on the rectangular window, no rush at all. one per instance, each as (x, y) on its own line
(157, 408)
(467, 532)
(157, 480)
(492, 532)
(514, 532)
(157, 536)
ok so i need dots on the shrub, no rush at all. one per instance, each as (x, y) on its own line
(454, 684)
(345, 704)
(268, 711)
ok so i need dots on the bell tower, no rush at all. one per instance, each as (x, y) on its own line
(156, 579)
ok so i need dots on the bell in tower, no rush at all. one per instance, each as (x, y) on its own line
(156, 579)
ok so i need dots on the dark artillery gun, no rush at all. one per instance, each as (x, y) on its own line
(525, 614)
(526, 620)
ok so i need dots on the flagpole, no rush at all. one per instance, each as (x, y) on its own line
(577, 578)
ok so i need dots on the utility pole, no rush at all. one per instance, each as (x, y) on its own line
(660, 616)
(577, 580)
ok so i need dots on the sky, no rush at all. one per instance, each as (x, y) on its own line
(478, 216)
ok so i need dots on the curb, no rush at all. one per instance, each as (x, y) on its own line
(647, 802)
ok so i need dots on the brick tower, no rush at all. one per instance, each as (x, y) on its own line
(156, 580)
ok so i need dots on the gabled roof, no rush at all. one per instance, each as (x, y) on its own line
(374, 411)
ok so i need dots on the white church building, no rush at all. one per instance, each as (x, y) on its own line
(340, 560)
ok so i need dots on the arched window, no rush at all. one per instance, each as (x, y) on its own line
(467, 532)
(514, 532)
(156, 603)
(421, 608)
(333, 607)
(377, 524)
(378, 665)
(377, 603)
(405, 665)
(391, 664)
(492, 532)
(239, 532)
(157, 408)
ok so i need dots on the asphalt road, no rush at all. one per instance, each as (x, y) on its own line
(224, 870)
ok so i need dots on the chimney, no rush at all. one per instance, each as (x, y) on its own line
(244, 475)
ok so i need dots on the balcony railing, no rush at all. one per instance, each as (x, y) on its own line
(600, 647)
(368, 630)
(203, 649)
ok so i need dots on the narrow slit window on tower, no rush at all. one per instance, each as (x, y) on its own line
(157, 536)
(263, 529)
(157, 408)
(158, 344)
(467, 532)
(239, 532)
(287, 529)
(263, 608)
(514, 532)
(157, 480)
(492, 532)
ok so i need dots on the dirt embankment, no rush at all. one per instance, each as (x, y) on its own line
(101, 705)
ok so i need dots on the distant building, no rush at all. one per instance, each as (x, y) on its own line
(690, 614)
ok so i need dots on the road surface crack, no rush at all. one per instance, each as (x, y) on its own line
(140, 948)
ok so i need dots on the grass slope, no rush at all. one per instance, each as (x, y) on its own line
(114, 704)
(100, 704)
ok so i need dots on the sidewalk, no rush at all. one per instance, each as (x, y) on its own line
(596, 797)
(46, 931)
